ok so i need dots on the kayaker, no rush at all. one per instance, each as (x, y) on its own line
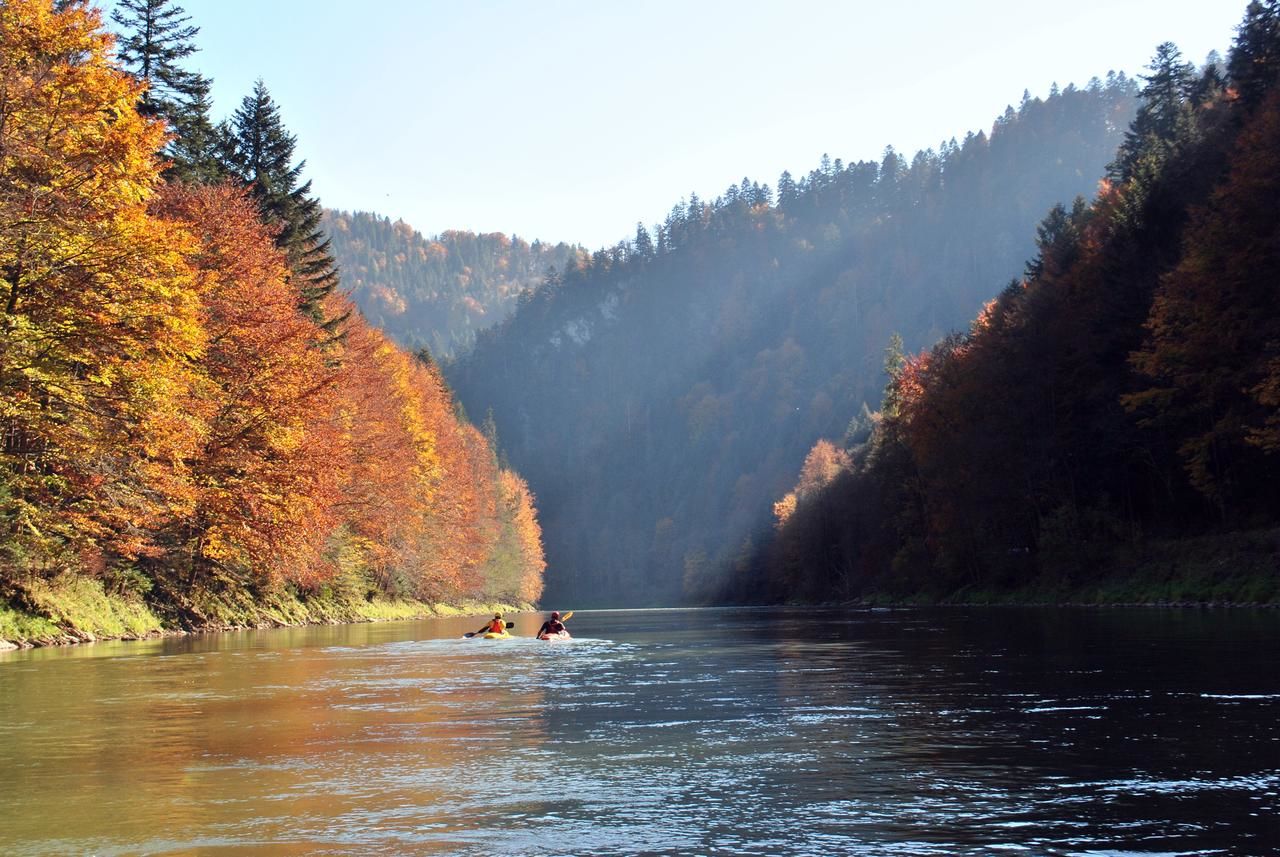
(552, 625)
(495, 625)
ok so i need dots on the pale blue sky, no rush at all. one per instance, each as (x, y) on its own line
(571, 120)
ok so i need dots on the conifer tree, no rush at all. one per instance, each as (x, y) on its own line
(643, 243)
(786, 189)
(1164, 99)
(1255, 59)
(258, 149)
(193, 152)
(155, 38)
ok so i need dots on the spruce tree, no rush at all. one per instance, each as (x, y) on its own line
(643, 244)
(258, 149)
(1255, 58)
(1161, 117)
(194, 150)
(787, 192)
(155, 38)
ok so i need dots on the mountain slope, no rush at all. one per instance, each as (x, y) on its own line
(660, 396)
(1109, 427)
(435, 292)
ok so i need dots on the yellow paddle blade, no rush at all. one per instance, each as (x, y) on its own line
(566, 616)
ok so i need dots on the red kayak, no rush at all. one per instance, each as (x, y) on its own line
(556, 637)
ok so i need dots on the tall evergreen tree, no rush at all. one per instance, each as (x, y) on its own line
(1165, 98)
(156, 36)
(643, 244)
(258, 149)
(1255, 59)
(786, 189)
(194, 150)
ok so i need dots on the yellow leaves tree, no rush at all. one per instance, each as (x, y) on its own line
(162, 401)
(514, 570)
(98, 320)
(824, 463)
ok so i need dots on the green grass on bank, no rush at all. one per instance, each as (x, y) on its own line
(73, 608)
(18, 626)
(1235, 568)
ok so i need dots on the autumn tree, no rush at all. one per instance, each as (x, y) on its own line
(264, 469)
(427, 511)
(514, 568)
(823, 463)
(1214, 336)
(100, 322)
(392, 465)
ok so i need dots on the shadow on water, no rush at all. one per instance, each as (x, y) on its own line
(962, 731)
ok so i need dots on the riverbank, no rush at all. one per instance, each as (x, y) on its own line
(1239, 569)
(79, 610)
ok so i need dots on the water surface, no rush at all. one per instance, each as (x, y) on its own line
(1059, 732)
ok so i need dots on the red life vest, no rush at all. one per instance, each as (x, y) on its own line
(497, 626)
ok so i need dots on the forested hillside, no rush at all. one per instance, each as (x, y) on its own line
(435, 293)
(661, 395)
(1109, 425)
(195, 428)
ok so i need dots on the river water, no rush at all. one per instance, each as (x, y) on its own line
(960, 731)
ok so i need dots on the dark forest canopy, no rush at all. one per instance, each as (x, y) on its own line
(661, 394)
(1111, 420)
(437, 292)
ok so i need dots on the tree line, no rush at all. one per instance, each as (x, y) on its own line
(1113, 412)
(191, 415)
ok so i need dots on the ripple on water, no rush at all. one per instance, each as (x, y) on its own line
(904, 738)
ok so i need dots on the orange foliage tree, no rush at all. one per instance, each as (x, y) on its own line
(164, 404)
(99, 320)
(427, 510)
(266, 487)
(393, 464)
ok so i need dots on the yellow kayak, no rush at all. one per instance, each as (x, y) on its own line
(496, 635)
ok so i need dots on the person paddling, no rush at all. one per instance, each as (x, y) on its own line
(495, 625)
(552, 626)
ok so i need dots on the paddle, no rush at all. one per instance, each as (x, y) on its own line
(471, 634)
(564, 618)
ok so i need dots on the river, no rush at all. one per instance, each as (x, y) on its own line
(948, 731)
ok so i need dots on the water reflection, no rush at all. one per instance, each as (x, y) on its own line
(736, 732)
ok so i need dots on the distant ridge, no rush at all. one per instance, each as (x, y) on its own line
(436, 292)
